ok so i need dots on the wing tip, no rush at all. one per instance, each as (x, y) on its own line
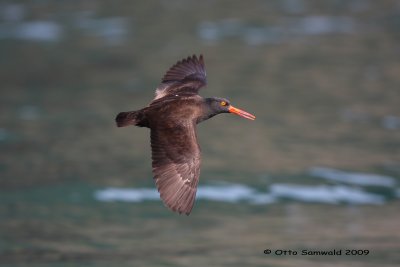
(179, 70)
(199, 60)
(180, 208)
(180, 200)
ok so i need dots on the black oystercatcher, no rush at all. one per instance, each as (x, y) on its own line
(172, 117)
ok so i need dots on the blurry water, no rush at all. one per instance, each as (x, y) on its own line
(286, 30)
(29, 112)
(353, 177)
(42, 30)
(391, 122)
(111, 30)
(12, 12)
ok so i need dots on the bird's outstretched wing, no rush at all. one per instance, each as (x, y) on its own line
(176, 165)
(187, 75)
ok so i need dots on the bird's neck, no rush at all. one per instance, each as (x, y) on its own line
(206, 111)
(205, 117)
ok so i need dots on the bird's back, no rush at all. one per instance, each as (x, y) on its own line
(174, 110)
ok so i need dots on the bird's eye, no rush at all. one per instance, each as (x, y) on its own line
(223, 103)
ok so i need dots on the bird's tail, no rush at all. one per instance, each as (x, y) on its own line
(131, 118)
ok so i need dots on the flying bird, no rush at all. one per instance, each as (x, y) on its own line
(172, 117)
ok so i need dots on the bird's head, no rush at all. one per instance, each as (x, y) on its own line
(221, 105)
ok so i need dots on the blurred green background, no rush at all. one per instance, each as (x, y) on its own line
(322, 77)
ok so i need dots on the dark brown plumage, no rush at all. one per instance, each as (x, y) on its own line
(172, 117)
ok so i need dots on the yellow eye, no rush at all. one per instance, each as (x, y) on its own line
(223, 103)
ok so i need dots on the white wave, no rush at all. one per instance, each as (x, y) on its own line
(318, 25)
(113, 30)
(391, 122)
(233, 193)
(38, 31)
(126, 194)
(356, 178)
(284, 30)
(325, 194)
(227, 193)
(223, 193)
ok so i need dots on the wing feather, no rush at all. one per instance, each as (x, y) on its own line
(176, 165)
(187, 75)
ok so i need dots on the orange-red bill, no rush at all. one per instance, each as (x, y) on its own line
(242, 113)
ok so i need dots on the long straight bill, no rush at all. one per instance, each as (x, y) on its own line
(242, 113)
